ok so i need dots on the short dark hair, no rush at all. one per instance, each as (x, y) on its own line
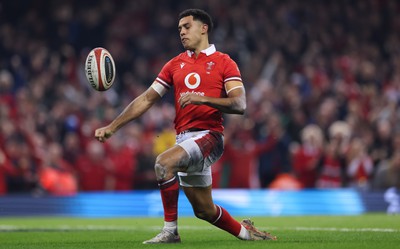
(199, 15)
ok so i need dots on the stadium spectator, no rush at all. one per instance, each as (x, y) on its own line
(359, 165)
(6, 169)
(72, 147)
(123, 164)
(239, 160)
(94, 169)
(388, 173)
(272, 150)
(55, 174)
(307, 156)
(382, 146)
(22, 175)
(332, 174)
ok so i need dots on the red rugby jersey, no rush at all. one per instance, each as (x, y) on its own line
(205, 75)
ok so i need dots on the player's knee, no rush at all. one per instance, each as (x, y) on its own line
(161, 168)
(161, 172)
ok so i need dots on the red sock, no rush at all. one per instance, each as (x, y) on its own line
(169, 194)
(225, 221)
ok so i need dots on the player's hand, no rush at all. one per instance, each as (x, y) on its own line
(191, 98)
(102, 134)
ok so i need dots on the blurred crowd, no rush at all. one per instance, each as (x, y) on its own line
(322, 81)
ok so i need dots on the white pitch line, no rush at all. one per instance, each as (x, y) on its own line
(10, 228)
(342, 229)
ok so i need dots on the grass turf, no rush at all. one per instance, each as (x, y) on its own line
(364, 231)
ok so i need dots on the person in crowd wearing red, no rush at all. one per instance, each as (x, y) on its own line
(5, 170)
(124, 164)
(94, 169)
(332, 173)
(307, 156)
(56, 174)
(239, 159)
(360, 166)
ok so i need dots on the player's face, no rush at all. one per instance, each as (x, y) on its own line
(190, 32)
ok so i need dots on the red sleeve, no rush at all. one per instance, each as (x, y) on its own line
(231, 70)
(165, 75)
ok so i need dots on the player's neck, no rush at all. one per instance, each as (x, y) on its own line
(203, 45)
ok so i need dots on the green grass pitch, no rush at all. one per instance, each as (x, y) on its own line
(365, 231)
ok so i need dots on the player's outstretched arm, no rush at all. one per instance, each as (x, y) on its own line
(134, 110)
(235, 103)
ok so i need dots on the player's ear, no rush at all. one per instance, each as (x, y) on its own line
(204, 28)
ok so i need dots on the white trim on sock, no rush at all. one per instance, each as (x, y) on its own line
(244, 234)
(220, 214)
(166, 182)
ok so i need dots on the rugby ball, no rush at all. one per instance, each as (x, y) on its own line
(100, 69)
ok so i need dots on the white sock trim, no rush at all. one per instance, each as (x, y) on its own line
(170, 180)
(244, 234)
(219, 216)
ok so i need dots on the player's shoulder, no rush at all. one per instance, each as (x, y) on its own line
(222, 56)
(174, 61)
(179, 58)
(224, 60)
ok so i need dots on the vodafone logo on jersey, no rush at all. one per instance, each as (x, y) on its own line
(192, 80)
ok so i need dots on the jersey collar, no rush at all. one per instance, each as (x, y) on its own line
(208, 51)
